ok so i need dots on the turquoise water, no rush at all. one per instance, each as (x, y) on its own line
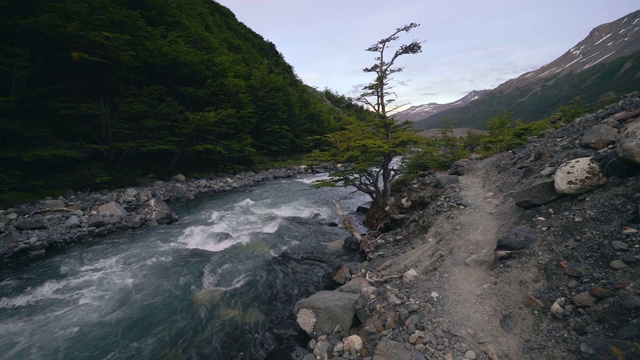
(211, 286)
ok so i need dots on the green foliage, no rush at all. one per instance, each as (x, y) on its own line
(144, 86)
(361, 154)
(439, 152)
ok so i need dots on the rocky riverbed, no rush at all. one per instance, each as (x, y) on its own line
(529, 254)
(32, 230)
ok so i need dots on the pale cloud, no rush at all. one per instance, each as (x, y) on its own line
(470, 45)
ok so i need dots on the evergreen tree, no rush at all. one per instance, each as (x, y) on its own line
(362, 154)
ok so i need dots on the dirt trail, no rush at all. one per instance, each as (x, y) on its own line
(477, 299)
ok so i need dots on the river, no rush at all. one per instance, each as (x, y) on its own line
(211, 286)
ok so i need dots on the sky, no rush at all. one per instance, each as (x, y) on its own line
(467, 44)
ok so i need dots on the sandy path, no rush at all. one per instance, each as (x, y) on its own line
(478, 300)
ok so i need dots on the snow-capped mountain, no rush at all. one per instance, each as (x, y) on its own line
(605, 63)
(604, 43)
(420, 112)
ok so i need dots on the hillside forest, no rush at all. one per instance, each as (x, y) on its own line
(96, 94)
(103, 94)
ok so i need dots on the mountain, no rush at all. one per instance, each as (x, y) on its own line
(604, 43)
(420, 112)
(97, 93)
(604, 64)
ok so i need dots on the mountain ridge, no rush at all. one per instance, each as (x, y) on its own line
(420, 112)
(606, 62)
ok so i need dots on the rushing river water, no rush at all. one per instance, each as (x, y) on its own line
(211, 286)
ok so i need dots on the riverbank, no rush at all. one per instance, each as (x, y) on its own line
(33, 230)
(530, 254)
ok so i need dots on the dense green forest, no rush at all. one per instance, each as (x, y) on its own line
(542, 99)
(96, 93)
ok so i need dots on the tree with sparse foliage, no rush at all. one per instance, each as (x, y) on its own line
(361, 155)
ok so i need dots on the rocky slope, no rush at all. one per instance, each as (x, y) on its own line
(518, 256)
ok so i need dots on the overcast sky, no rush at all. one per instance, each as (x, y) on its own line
(469, 44)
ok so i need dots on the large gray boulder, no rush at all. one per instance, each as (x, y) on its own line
(158, 211)
(109, 213)
(629, 143)
(578, 176)
(111, 209)
(321, 312)
(388, 349)
(540, 193)
(599, 136)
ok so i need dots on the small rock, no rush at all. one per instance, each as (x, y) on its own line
(629, 259)
(409, 276)
(30, 225)
(572, 284)
(557, 309)
(72, 222)
(584, 299)
(618, 264)
(576, 270)
(470, 355)
(595, 348)
(532, 302)
(619, 245)
(631, 302)
(342, 276)
(179, 178)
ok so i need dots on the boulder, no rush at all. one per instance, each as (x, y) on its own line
(460, 167)
(388, 349)
(111, 209)
(355, 285)
(578, 176)
(72, 222)
(54, 203)
(600, 348)
(30, 225)
(175, 192)
(158, 211)
(540, 193)
(353, 342)
(519, 238)
(343, 275)
(629, 143)
(109, 213)
(409, 276)
(631, 331)
(323, 311)
(445, 180)
(599, 136)
(179, 178)
(612, 165)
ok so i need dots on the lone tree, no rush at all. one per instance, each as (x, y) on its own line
(362, 154)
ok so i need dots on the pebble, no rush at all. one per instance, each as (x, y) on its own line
(470, 355)
(618, 264)
(409, 276)
(584, 299)
(619, 245)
